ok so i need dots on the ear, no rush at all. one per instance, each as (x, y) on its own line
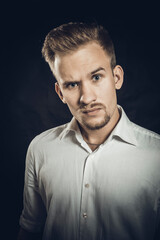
(118, 76)
(59, 92)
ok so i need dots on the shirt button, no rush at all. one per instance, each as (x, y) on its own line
(85, 215)
(87, 185)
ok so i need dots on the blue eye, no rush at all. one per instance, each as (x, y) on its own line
(96, 77)
(72, 85)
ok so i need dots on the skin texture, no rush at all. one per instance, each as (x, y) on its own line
(87, 84)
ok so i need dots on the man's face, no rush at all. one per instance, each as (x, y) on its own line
(87, 84)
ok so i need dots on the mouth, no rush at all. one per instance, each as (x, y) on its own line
(91, 112)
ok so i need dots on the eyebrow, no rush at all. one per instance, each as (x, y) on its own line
(97, 70)
(93, 72)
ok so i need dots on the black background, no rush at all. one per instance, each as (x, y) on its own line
(29, 103)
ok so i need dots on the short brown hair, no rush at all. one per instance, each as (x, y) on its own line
(69, 37)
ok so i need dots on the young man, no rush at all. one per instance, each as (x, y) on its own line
(97, 177)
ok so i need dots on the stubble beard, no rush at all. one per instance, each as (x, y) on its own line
(99, 125)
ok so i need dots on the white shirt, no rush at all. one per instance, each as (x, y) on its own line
(112, 193)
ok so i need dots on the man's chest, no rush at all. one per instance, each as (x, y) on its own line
(105, 178)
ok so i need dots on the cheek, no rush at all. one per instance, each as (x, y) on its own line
(108, 92)
(71, 101)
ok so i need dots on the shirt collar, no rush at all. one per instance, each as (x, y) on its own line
(123, 130)
(72, 126)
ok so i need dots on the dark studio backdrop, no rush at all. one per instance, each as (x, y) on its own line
(30, 104)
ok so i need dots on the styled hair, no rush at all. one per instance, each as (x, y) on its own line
(69, 37)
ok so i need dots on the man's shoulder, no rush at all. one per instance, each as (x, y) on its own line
(47, 136)
(145, 136)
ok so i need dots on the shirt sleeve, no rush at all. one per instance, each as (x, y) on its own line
(33, 215)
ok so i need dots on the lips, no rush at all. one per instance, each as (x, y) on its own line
(91, 110)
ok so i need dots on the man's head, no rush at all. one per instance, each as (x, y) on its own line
(69, 37)
(84, 64)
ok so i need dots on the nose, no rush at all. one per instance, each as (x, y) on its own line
(87, 95)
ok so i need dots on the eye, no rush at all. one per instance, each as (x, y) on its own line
(71, 85)
(96, 77)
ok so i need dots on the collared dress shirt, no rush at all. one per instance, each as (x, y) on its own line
(112, 193)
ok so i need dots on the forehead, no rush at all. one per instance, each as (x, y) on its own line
(85, 58)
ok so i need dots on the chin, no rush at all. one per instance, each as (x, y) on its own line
(98, 125)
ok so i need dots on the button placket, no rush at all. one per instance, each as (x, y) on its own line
(86, 191)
